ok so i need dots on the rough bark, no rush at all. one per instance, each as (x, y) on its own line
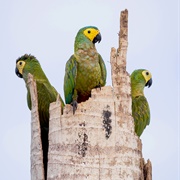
(99, 141)
(148, 170)
(37, 170)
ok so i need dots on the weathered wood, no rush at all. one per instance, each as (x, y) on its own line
(123, 34)
(148, 170)
(99, 141)
(37, 170)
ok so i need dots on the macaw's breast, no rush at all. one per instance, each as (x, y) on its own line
(88, 77)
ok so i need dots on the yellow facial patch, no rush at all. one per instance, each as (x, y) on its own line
(20, 66)
(147, 75)
(91, 33)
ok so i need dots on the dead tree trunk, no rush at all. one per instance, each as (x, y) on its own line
(99, 141)
(37, 170)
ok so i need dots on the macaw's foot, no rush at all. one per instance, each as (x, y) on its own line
(74, 104)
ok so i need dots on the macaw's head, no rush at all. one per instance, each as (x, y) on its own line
(142, 77)
(92, 33)
(24, 65)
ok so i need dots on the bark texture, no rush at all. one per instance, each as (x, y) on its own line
(37, 170)
(98, 142)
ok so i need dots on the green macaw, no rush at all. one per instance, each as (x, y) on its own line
(46, 94)
(85, 69)
(140, 107)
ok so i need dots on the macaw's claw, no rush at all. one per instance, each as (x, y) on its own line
(98, 86)
(74, 104)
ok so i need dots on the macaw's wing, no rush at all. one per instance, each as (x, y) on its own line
(70, 79)
(141, 114)
(103, 71)
(46, 95)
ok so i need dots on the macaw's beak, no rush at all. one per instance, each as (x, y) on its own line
(97, 39)
(149, 83)
(18, 73)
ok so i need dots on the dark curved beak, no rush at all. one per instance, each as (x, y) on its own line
(97, 39)
(149, 83)
(17, 73)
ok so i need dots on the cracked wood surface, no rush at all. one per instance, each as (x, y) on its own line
(99, 141)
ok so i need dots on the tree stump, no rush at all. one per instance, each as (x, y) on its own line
(98, 141)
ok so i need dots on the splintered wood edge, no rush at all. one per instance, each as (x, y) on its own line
(33, 90)
(118, 57)
(55, 104)
(148, 170)
(123, 34)
(37, 170)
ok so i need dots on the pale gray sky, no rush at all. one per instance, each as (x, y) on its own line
(46, 29)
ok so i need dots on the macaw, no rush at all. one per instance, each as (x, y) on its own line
(85, 69)
(140, 107)
(46, 95)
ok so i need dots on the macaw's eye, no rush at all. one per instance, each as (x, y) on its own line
(89, 31)
(147, 73)
(20, 63)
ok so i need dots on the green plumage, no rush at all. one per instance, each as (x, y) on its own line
(46, 95)
(140, 107)
(85, 69)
